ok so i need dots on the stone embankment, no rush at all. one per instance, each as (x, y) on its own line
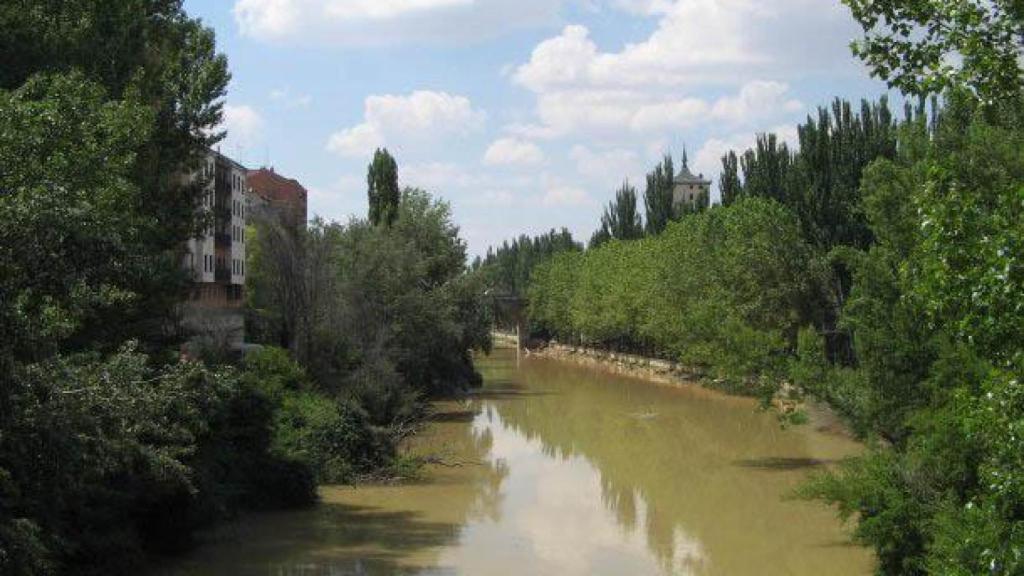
(503, 338)
(653, 369)
(665, 372)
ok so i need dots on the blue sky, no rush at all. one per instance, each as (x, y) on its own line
(525, 115)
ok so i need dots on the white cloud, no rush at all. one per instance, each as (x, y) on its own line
(399, 120)
(680, 113)
(607, 167)
(661, 83)
(509, 151)
(388, 21)
(562, 60)
(385, 9)
(355, 142)
(267, 18)
(424, 110)
(652, 114)
(243, 123)
(756, 100)
(695, 41)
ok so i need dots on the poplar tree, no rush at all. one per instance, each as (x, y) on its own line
(382, 188)
(621, 220)
(658, 196)
(732, 188)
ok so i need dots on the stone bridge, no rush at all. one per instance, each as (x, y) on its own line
(509, 313)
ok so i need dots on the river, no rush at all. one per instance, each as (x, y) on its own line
(558, 469)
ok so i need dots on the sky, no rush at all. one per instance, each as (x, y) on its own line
(525, 115)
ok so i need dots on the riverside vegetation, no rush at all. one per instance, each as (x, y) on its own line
(113, 448)
(877, 266)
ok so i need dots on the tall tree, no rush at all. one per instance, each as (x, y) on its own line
(508, 267)
(621, 220)
(927, 46)
(658, 196)
(382, 188)
(731, 187)
(765, 168)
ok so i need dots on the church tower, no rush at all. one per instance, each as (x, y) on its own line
(690, 190)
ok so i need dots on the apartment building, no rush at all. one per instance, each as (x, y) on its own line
(216, 259)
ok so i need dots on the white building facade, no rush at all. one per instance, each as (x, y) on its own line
(215, 260)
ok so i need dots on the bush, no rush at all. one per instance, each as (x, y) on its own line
(109, 459)
(332, 438)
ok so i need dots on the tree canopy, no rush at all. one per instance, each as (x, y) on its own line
(925, 47)
(621, 219)
(382, 188)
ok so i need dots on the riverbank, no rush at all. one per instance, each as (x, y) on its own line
(651, 369)
(663, 372)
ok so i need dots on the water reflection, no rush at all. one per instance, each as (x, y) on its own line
(709, 473)
(553, 469)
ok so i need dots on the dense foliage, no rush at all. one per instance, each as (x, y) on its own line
(936, 310)
(152, 54)
(382, 316)
(507, 268)
(720, 290)
(105, 452)
(111, 446)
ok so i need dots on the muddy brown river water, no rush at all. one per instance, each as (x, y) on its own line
(558, 469)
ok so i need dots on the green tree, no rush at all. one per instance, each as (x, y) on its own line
(721, 290)
(935, 316)
(929, 46)
(382, 188)
(70, 233)
(621, 220)
(766, 167)
(150, 52)
(508, 267)
(731, 186)
(658, 196)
